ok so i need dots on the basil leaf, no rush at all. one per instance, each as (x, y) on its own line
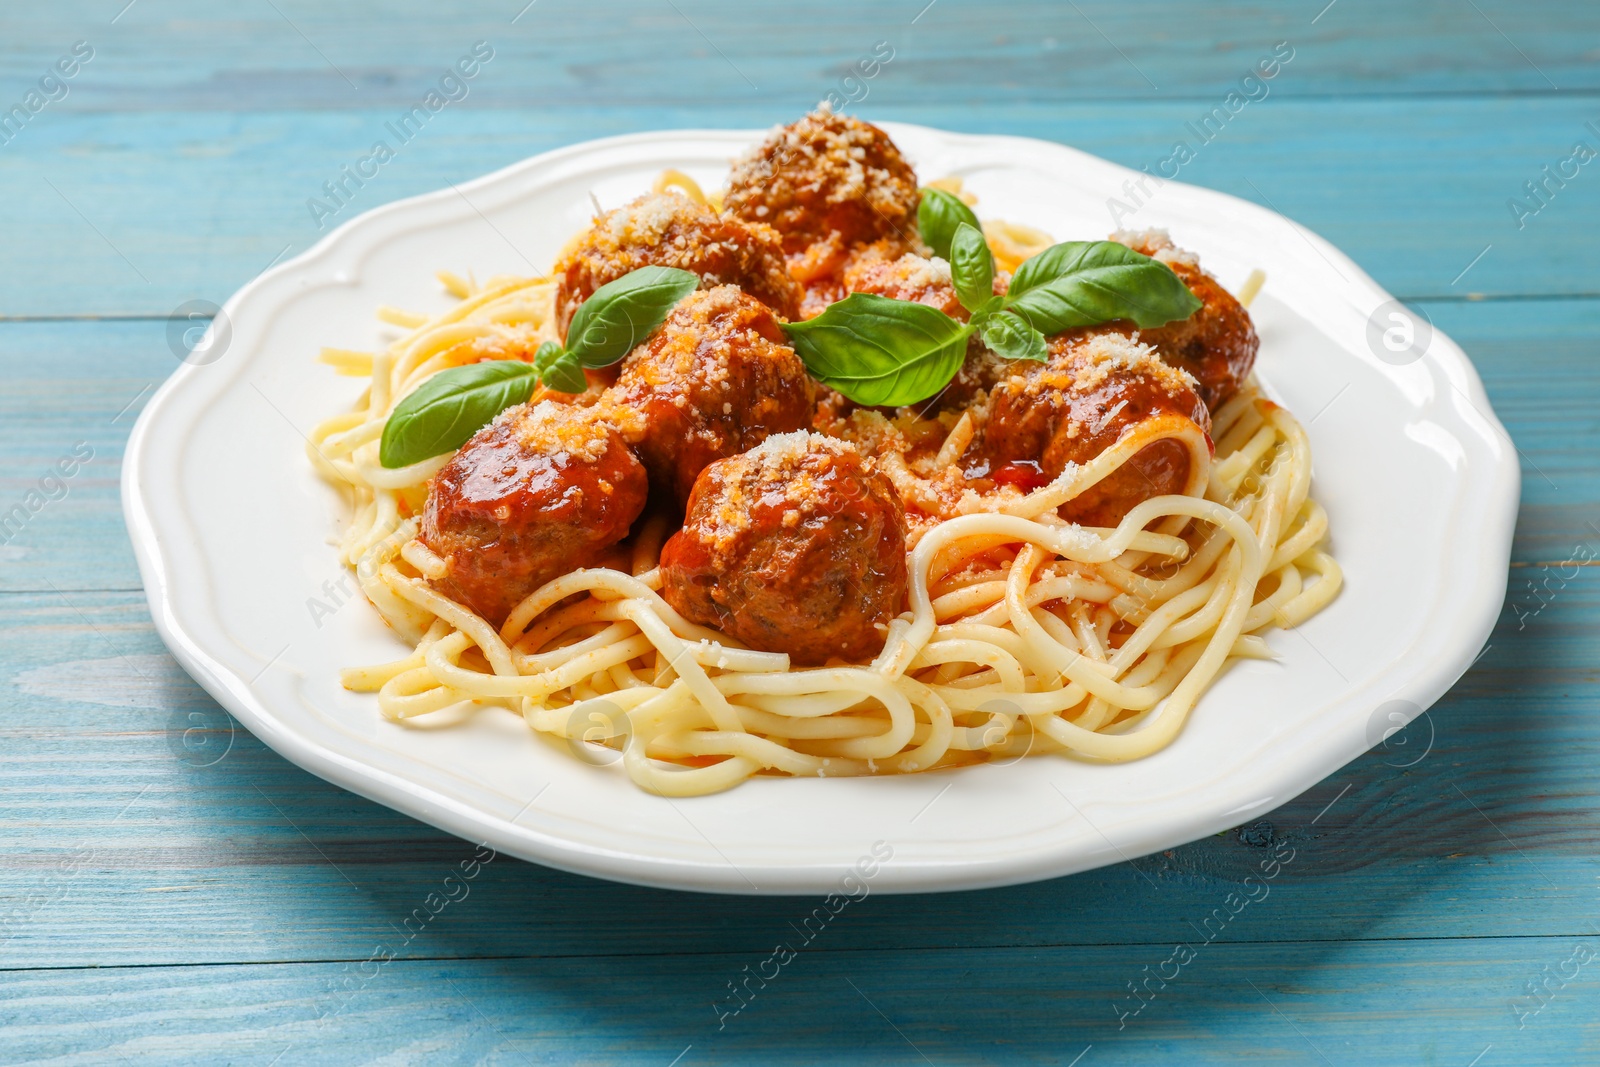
(1085, 283)
(971, 267)
(985, 311)
(939, 215)
(622, 313)
(561, 371)
(447, 409)
(881, 352)
(546, 355)
(1008, 335)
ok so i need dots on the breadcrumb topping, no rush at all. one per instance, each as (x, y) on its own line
(692, 357)
(1082, 364)
(1108, 354)
(784, 453)
(552, 429)
(825, 159)
(917, 272)
(1157, 244)
(796, 462)
(670, 230)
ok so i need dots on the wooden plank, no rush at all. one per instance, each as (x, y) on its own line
(1480, 820)
(130, 232)
(1536, 359)
(299, 54)
(80, 385)
(1414, 1002)
(74, 392)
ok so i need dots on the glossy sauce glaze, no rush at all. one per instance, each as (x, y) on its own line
(713, 381)
(1091, 392)
(535, 494)
(669, 230)
(829, 184)
(798, 546)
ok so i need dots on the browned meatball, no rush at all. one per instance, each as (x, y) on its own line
(797, 546)
(1218, 343)
(910, 277)
(827, 183)
(668, 230)
(864, 268)
(713, 381)
(1095, 388)
(540, 491)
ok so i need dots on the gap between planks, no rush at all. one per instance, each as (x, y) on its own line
(873, 949)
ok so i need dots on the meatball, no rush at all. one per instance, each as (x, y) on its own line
(871, 268)
(668, 230)
(797, 546)
(713, 381)
(826, 183)
(1095, 388)
(1218, 343)
(910, 277)
(540, 491)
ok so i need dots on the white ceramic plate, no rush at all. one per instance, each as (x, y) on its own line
(233, 529)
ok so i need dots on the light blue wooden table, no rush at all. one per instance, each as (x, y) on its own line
(161, 904)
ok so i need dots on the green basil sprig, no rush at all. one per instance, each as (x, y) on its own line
(879, 351)
(444, 412)
(876, 350)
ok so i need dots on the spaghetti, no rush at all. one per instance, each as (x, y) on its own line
(1025, 634)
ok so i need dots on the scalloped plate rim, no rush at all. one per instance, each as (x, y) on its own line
(1454, 645)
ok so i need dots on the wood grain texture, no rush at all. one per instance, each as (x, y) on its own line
(173, 891)
(1365, 1003)
(301, 55)
(141, 212)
